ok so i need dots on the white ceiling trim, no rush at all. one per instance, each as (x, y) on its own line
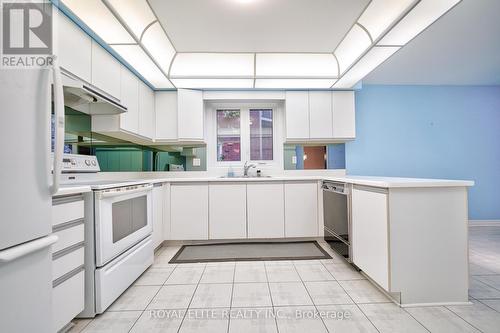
(361, 50)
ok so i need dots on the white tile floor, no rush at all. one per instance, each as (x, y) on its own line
(284, 296)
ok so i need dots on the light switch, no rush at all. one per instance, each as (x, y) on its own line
(196, 162)
(294, 159)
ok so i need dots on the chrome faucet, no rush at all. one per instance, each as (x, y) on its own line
(246, 167)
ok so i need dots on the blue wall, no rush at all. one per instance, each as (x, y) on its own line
(431, 132)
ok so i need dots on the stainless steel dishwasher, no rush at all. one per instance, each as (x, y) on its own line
(336, 211)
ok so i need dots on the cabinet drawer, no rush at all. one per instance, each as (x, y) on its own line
(68, 300)
(66, 212)
(68, 237)
(68, 262)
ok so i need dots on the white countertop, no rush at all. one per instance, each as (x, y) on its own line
(385, 182)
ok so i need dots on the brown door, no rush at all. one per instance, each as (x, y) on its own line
(315, 157)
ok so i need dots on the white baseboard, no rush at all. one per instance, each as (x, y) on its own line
(484, 223)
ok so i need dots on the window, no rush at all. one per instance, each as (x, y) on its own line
(228, 135)
(243, 133)
(261, 135)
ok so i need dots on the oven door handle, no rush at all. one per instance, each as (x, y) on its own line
(114, 193)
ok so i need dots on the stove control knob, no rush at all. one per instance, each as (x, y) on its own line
(94, 163)
(87, 162)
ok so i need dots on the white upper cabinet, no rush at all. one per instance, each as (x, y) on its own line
(74, 48)
(166, 115)
(146, 111)
(129, 120)
(320, 114)
(297, 114)
(190, 117)
(343, 115)
(105, 71)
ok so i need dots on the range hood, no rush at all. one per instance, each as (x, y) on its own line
(87, 99)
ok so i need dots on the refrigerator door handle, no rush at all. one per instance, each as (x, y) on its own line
(59, 127)
(19, 251)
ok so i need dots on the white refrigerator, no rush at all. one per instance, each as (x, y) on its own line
(26, 187)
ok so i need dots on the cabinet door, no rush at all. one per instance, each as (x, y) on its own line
(265, 210)
(74, 48)
(190, 114)
(129, 120)
(158, 199)
(166, 115)
(105, 71)
(166, 212)
(320, 114)
(189, 211)
(297, 114)
(227, 211)
(301, 209)
(370, 234)
(146, 111)
(344, 126)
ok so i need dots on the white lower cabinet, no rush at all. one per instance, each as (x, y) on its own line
(301, 209)
(158, 205)
(189, 211)
(370, 233)
(266, 211)
(227, 211)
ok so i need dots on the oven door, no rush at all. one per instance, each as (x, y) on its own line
(123, 217)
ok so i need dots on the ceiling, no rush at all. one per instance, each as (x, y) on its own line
(258, 25)
(461, 48)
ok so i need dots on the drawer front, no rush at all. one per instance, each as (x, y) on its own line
(68, 262)
(114, 278)
(65, 212)
(68, 300)
(68, 237)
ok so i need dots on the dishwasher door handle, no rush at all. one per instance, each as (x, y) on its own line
(334, 189)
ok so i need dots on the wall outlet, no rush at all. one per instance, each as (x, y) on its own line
(196, 162)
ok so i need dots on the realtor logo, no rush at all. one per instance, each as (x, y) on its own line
(26, 34)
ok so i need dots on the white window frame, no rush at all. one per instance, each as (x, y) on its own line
(211, 120)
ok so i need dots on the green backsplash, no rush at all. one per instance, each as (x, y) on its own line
(118, 155)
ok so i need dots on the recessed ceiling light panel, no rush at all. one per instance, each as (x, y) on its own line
(135, 13)
(139, 60)
(352, 46)
(296, 65)
(156, 42)
(419, 18)
(365, 65)
(100, 19)
(213, 83)
(199, 65)
(294, 83)
(380, 14)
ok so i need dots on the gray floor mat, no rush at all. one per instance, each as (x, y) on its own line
(250, 251)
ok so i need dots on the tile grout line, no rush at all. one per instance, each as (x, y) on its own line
(463, 319)
(191, 300)
(418, 321)
(151, 300)
(231, 301)
(356, 304)
(271, 297)
(307, 291)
